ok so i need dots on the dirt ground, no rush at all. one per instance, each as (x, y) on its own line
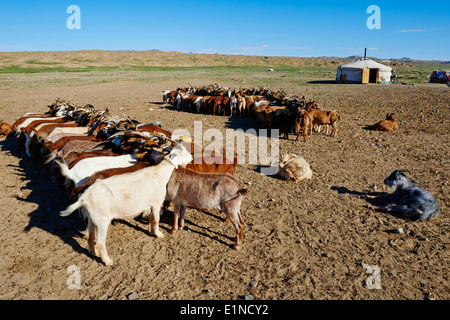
(301, 241)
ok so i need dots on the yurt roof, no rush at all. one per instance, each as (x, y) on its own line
(367, 64)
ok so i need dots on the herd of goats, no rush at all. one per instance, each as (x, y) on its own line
(273, 110)
(116, 167)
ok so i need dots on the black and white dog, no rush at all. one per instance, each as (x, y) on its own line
(408, 200)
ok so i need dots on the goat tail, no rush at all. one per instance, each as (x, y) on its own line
(50, 157)
(64, 168)
(241, 192)
(72, 208)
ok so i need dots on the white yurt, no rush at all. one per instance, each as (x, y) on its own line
(364, 71)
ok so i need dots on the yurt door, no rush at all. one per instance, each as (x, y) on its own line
(365, 75)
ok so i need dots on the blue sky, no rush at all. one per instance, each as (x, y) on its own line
(415, 29)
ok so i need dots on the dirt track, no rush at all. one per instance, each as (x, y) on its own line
(301, 241)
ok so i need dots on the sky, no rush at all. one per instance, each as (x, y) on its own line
(413, 29)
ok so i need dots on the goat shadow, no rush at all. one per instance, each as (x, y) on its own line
(48, 196)
(368, 127)
(376, 201)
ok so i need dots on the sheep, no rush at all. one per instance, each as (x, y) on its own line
(386, 125)
(127, 196)
(206, 191)
(294, 167)
(407, 201)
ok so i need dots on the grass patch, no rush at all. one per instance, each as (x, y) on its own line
(42, 63)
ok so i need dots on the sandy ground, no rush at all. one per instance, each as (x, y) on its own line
(302, 241)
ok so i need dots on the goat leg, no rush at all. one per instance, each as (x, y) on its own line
(153, 222)
(181, 222)
(176, 214)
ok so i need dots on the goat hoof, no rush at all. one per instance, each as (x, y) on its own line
(108, 262)
(159, 234)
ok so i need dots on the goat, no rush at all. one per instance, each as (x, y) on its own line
(29, 115)
(169, 97)
(127, 196)
(77, 145)
(74, 130)
(75, 156)
(206, 191)
(407, 201)
(241, 105)
(285, 120)
(303, 123)
(210, 165)
(321, 117)
(386, 125)
(294, 167)
(152, 128)
(86, 167)
(25, 129)
(107, 173)
(6, 129)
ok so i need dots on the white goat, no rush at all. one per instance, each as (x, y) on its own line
(127, 196)
(80, 172)
(71, 130)
(29, 122)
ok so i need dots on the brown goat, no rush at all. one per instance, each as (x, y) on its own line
(60, 143)
(303, 124)
(73, 157)
(6, 129)
(321, 117)
(207, 165)
(152, 128)
(206, 191)
(386, 125)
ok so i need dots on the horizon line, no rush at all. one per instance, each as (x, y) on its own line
(226, 54)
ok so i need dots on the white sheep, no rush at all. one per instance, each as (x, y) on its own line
(127, 196)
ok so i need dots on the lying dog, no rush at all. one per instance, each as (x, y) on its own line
(408, 200)
(294, 167)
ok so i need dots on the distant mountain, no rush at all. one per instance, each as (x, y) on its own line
(404, 60)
